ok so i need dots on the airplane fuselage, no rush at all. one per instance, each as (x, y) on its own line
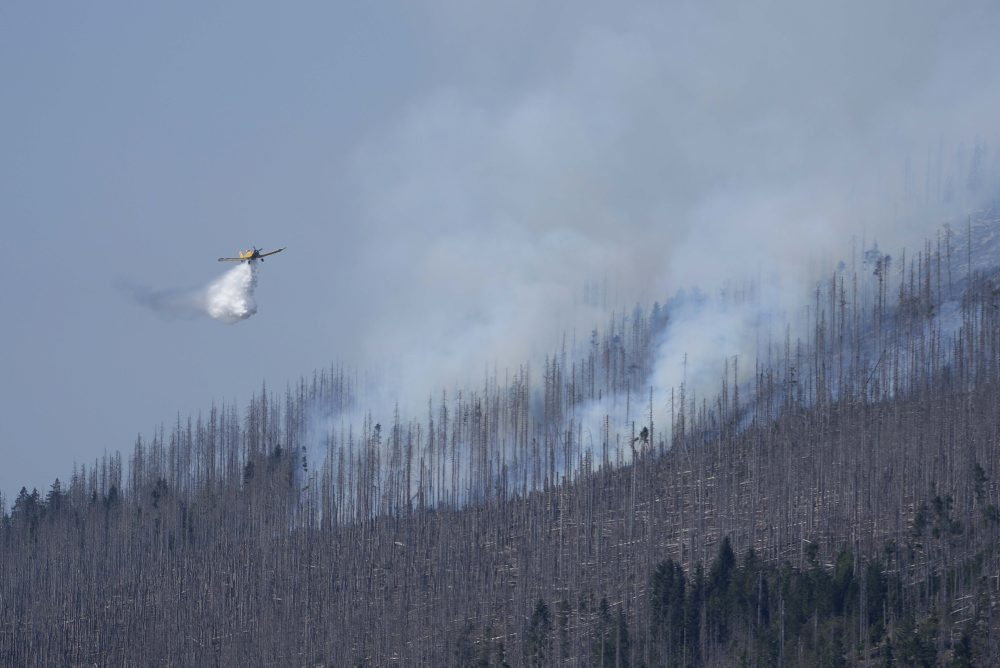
(250, 255)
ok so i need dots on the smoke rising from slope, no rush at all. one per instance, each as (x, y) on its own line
(229, 298)
(647, 152)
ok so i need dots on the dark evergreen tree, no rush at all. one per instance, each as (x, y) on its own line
(537, 640)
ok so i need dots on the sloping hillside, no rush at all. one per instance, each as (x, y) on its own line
(835, 502)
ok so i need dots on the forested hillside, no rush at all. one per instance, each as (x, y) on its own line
(835, 502)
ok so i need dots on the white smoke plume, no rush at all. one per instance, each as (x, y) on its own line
(229, 298)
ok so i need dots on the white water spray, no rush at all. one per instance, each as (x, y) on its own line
(228, 298)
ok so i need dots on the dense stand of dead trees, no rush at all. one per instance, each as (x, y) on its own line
(286, 534)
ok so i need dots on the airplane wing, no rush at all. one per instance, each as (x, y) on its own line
(273, 252)
(231, 259)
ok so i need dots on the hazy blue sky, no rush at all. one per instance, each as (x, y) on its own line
(446, 176)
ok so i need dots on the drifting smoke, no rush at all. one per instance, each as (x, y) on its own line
(620, 164)
(229, 298)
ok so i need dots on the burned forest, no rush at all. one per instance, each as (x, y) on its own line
(833, 500)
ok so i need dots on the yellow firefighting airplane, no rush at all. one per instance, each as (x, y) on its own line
(251, 255)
